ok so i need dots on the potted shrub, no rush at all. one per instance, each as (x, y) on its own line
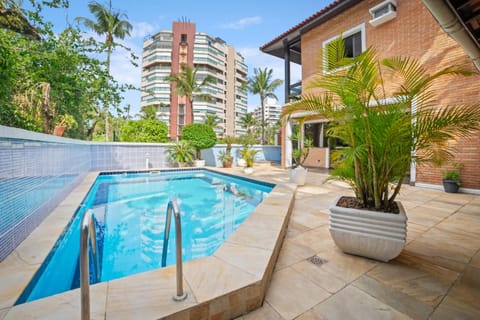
(298, 173)
(451, 178)
(248, 155)
(368, 103)
(201, 136)
(64, 121)
(181, 153)
(226, 156)
(246, 141)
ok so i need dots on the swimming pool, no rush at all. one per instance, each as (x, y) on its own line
(130, 210)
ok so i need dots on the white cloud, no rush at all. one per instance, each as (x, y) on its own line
(243, 23)
(142, 29)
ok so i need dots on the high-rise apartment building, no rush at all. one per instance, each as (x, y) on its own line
(273, 111)
(165, 52)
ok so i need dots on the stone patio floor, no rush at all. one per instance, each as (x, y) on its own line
(436, 277)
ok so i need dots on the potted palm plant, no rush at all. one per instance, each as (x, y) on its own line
(248, 155)
(298, 173)
(181, 153)
(226, 156)
(368, 103)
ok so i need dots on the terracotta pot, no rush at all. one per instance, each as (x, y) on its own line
(59, 130)
(227, 164)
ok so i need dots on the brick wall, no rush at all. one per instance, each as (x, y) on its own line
(414, 33)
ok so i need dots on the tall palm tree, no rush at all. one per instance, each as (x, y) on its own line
(107, 23)
(212, 120)
(262, 84)
(186, 84)
(248, 122)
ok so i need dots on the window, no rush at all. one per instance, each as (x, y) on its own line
(354, 42)
(383, 12)
(183, 39)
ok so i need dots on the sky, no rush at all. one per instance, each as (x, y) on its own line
(245, 24)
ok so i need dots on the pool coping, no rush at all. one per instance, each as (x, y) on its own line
(242, 266)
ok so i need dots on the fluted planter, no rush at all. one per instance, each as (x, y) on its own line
(376, 235)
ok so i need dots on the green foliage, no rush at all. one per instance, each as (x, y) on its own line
(262, 84)
(454, 173)
(187, 85)
(145, 131)
(225, 157)
(248, 154)
(200, 135)
(181, 153)
(381, 130)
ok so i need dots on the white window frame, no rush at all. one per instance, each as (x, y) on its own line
(349, 32)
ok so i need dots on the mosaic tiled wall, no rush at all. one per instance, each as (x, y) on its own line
(35, 175)
(37, 171)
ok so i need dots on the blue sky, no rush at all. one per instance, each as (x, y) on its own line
(245, 24)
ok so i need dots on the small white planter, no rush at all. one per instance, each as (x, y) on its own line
(241, 162)
(298, 175)
(248, 170)
(199, 163)
(377, 235)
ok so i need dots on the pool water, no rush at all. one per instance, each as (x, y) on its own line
(130, 213)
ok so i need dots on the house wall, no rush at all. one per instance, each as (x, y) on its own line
(414, 33)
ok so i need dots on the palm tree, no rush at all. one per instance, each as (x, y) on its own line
(149, 112)
(12, 18)
(248, 122)
(368, 103)
(186, 85)
(110, 24)
(212, 120)
(263, 85)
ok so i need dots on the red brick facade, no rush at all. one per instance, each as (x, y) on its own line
(414, 33)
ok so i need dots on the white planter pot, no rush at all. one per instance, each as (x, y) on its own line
(298, 175)
(241, 162)
(377, 235)
(248, 170)
(199, 163)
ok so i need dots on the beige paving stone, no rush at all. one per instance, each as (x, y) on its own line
(292, 253)
(471, 208)
(319, 276)
(352, 303)
(73, 199)
(62, 306)
(448, 249)
(291, 294)
(250, 259)
(462, 223)
(318, 239)
(3, 313)
(148, 294)
(414, 231)
(476, 260)
(266, 312)
(310, 219)
(210, 277)
(254, 236)
(15, 275)
(264, 221)
(427, 216)
(295, 229)
(345, 266)
(462, 302)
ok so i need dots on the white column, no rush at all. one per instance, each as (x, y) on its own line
(288, 144)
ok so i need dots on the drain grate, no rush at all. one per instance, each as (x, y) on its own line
(316, 260)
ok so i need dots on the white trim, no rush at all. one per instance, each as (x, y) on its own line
(391, 14)
(440, 187)
(347, 33)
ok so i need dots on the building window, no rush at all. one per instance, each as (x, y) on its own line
(183, 39)
(354, 43)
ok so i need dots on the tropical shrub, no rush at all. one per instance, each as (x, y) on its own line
(145, 131)
(181, 153)
(384, 133)
(200, 136)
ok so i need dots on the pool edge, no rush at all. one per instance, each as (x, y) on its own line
(231, 299)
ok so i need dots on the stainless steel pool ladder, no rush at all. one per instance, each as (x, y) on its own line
(87, 232)
(173, 207)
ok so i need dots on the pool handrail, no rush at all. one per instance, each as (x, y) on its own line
(87, 232)
(173, 207)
